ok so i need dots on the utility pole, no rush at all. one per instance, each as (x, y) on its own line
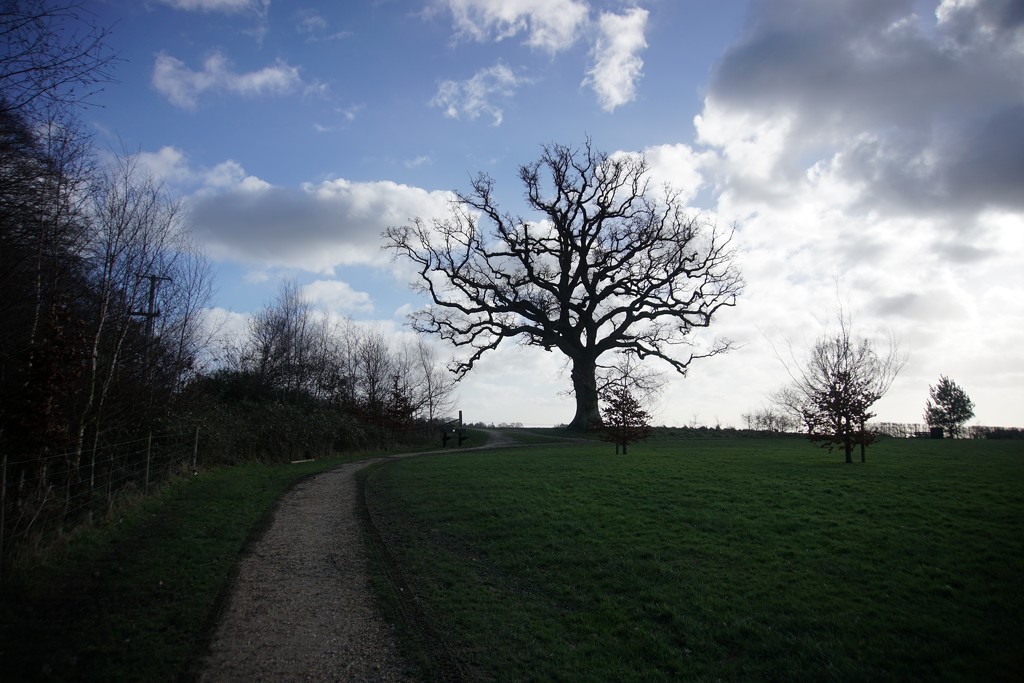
(150, 313)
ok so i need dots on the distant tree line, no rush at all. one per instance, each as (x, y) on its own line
(903, 430)
(300, 384)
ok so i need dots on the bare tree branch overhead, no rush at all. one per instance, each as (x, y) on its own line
(53, 55)
(608, 264)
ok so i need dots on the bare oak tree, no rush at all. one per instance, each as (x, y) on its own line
(607, 264)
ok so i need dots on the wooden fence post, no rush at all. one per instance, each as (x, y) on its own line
(149, 451)
(195, 450)
(3, 517)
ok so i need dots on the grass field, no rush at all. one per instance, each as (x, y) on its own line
(690, 559)
(716, 559)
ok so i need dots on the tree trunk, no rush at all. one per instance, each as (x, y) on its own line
(848, 441)
(584, 384)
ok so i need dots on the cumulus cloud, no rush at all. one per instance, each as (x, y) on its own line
(617, 63)
(184, 86)
(615, 40)
(551, 25)
(172, 166)
(315, 227)
(169, 164)
(925, 113)
(880, 146)
(678, 167)
(338, 297)
(475, 96)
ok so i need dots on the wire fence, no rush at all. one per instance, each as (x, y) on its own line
(46, 494)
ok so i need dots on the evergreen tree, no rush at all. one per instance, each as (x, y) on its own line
(624, 419)
(948, 407)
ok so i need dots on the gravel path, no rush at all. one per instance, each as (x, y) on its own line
(302, 608)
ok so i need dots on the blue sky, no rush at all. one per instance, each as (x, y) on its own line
(877, 144)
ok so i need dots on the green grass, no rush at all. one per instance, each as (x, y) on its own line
(135, 599)
(716, 559)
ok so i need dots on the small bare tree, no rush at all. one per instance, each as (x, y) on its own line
(770, 419)
(436, 395)
(626, 388)
(835, 385)
(286, 344)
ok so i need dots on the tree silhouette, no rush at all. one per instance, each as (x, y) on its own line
(53, 56)
(834, 388)
(624, 421)
(948, 407)
(605, 265)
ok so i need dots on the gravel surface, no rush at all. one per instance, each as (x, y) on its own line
(302, 608)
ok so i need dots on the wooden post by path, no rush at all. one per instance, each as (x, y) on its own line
(149, 452)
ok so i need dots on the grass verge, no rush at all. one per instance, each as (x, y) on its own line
(135, 599)
(718, 559)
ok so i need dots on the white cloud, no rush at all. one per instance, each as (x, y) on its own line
(617, 63)
(171, 165)
(225, 329)
(554, 26)
(551, 25)
(168, 163)
(513, 380)
(314, 26)
(183, 86)
(315, 227)
(475, 96)
(752, 145)
(927, 113)
(218, 5)
(863, 143)
(256, 277)
(310, 21)
(680, 167)
(337, 297)
(418, 161)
